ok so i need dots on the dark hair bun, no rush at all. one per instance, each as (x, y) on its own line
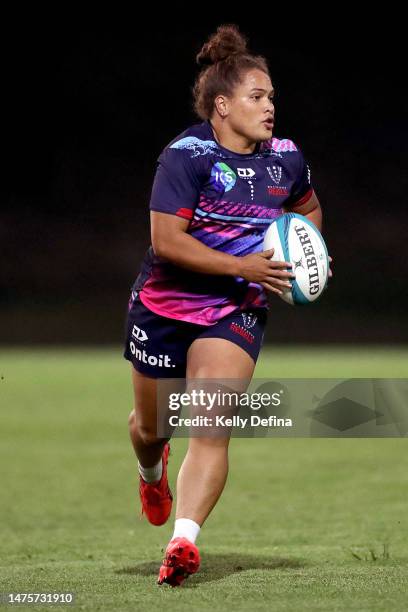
(227, 41)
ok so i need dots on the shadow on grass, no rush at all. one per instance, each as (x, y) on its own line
(215, 567)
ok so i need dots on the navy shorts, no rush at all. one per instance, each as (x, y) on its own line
(157, 346)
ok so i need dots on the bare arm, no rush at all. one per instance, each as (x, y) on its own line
(171, 241)
(310, 209)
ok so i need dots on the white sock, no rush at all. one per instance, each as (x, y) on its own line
(186, 528)
(151, 474)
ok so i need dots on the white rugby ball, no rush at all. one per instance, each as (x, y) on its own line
(296, 239)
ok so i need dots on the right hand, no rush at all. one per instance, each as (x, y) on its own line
(272, 275)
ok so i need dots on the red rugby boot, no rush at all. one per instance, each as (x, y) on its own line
(156, 497)
(182, 559)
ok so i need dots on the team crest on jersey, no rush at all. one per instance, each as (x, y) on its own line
(197, 147)
(249, 319)
(223, 178)
(275, 173)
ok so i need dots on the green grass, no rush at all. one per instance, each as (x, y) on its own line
(303, 524)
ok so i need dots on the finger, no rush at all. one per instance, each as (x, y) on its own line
(274, 281)
(272, 289)
(330, 259)
(330, 273)
(267, 253)
(280, 264)
(280, 273)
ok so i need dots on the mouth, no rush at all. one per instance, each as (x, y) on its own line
(269, 123)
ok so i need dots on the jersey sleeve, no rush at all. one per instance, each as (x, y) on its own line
(302, 189)
(176, 185)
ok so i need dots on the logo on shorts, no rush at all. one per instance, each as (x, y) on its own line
(237, 329)
(161, 361)
(249, 319)
(139, 334)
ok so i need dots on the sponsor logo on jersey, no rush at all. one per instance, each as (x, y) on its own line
(161, 361)
(278, 191)
(139, 334)
(245, 173)
(223, 178)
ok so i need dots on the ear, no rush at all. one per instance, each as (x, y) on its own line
(221, 105)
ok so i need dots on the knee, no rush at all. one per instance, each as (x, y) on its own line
(201, 371)
(147, 435)
(212, 446)
(132, 420)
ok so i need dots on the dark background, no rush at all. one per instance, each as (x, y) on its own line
(89, 109)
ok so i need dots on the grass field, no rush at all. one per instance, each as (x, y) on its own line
(303, 524)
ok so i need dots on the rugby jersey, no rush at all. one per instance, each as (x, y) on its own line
(230, 200)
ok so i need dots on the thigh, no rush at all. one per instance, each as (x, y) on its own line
(218, 358)
(228, 349)
(242, 332)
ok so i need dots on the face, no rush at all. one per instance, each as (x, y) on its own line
(250, 111)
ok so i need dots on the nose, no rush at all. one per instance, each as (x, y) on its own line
(271, 107)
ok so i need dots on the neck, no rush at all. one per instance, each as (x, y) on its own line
(229, 139)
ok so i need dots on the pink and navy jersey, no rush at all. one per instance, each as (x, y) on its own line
(230, 200)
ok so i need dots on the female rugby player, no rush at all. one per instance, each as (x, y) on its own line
(217, 188)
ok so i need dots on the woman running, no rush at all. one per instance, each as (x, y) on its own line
(217, 188)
